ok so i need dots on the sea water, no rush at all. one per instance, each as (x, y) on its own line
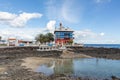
(103, 45)
(85, 67)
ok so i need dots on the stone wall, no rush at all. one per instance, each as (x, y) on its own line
(21, 52)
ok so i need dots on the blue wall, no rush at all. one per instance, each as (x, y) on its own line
(63, 35)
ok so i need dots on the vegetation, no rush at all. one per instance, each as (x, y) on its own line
(3, 44)
(70, 42)
(0, 37)
(43, 38)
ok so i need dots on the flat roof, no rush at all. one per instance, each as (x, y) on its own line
(63, 29)
(12, 39)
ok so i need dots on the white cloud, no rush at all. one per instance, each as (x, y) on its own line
(17, 20)
(102, 1)
(71, 11)
(88, 36)
(51, 26)
(26, 33)
(83, 36)
(68, 11)
(7, 16)
(21, 33)
(22, 19)
(102, 34)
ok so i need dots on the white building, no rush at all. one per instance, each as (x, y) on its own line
(12, 42)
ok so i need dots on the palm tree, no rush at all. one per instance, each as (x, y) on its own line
(39, 38)
(45, 38)
(50, 37)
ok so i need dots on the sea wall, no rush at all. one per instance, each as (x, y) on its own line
(21, 52)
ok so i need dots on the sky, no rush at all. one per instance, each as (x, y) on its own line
(93, 21)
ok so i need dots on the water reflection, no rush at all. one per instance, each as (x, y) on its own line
(94, 67)
(64, 66)
(58, 66)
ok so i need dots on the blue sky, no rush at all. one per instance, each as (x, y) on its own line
(94, 21)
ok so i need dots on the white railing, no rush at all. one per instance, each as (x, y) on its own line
(50, 48)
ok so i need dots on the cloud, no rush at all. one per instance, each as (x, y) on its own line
(71, 11)
(51, 26)
(17, 20)
(21, 33)
(83, 36)
(7, 16)
(27, 33)
(88, 36)
(22, 19)
(102, 1)
(68, 11)
(102, 34)
(91, 37)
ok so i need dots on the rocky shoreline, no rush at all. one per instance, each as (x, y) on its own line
(11, 60)
(109, 53)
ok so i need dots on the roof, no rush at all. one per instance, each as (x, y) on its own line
(11, 38)
(61, 28)
(24, 41)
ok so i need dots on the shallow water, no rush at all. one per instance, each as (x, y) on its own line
(92, 67)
